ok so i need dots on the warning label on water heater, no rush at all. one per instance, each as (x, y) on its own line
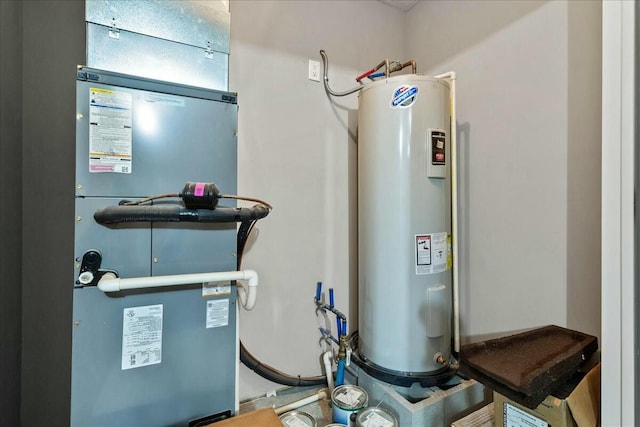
(432, 253)
(141, 336)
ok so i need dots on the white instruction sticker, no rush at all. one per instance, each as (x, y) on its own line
(514, 417)
(215, 289)
(349, 397)
(109, 131)
(217, 313)
(295, 421)
(375, 420)
(432, 253)
(141, 336)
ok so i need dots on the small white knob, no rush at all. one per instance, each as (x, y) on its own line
(85, 278)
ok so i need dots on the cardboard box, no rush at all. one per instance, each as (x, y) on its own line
(580, 409)
(262, 417)
(483, 417)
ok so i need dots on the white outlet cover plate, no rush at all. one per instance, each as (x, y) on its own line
(314, 70)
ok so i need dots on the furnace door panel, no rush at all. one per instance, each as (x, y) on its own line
(139, 142)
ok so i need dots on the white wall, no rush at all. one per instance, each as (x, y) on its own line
(528, 84)
(297, 150)
(584, 167)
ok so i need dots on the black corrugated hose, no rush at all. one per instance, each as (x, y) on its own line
(265, 371)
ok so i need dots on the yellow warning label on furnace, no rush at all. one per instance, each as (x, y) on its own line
(110, 131)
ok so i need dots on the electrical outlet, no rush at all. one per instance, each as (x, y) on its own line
(314, 70)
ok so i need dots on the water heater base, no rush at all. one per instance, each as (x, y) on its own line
(417, 406)
(405, 379)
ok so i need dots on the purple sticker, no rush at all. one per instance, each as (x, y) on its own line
(199, 190)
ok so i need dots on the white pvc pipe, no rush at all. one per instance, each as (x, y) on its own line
(322, 394)
(326, 358)
(110, 283)
(451, 76)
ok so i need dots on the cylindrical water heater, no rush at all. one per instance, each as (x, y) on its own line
(404, 227)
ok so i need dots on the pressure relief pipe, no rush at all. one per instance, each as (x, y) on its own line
(327, 358)
(110, 283)
(451, 76)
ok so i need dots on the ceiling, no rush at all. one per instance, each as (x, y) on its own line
(400, 4)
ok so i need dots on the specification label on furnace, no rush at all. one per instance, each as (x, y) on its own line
(214, 289)
(217, 313)
(141, 336)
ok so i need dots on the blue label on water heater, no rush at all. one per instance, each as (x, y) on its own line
(404, 96)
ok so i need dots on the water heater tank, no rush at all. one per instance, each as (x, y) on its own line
(404, 226)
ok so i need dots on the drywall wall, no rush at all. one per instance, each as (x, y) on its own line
(297, 150)
(528, 82)
(584, 154)
(10, 208)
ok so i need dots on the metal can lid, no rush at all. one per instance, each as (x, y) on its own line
(297, 419)
(349, 397)
(335, 425)
(377, 417)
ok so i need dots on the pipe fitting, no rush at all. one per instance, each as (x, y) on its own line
(440, 359)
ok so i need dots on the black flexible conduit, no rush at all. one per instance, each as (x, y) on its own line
(272, 374)
(250, 361)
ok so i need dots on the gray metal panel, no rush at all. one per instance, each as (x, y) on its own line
(193, 248)
(143, 249)
(186, 21)
(126, 249)
(154, 58)
(195, 378)
(191, 139)
(138, 82)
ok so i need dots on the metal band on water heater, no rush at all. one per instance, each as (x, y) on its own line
(404, 224)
